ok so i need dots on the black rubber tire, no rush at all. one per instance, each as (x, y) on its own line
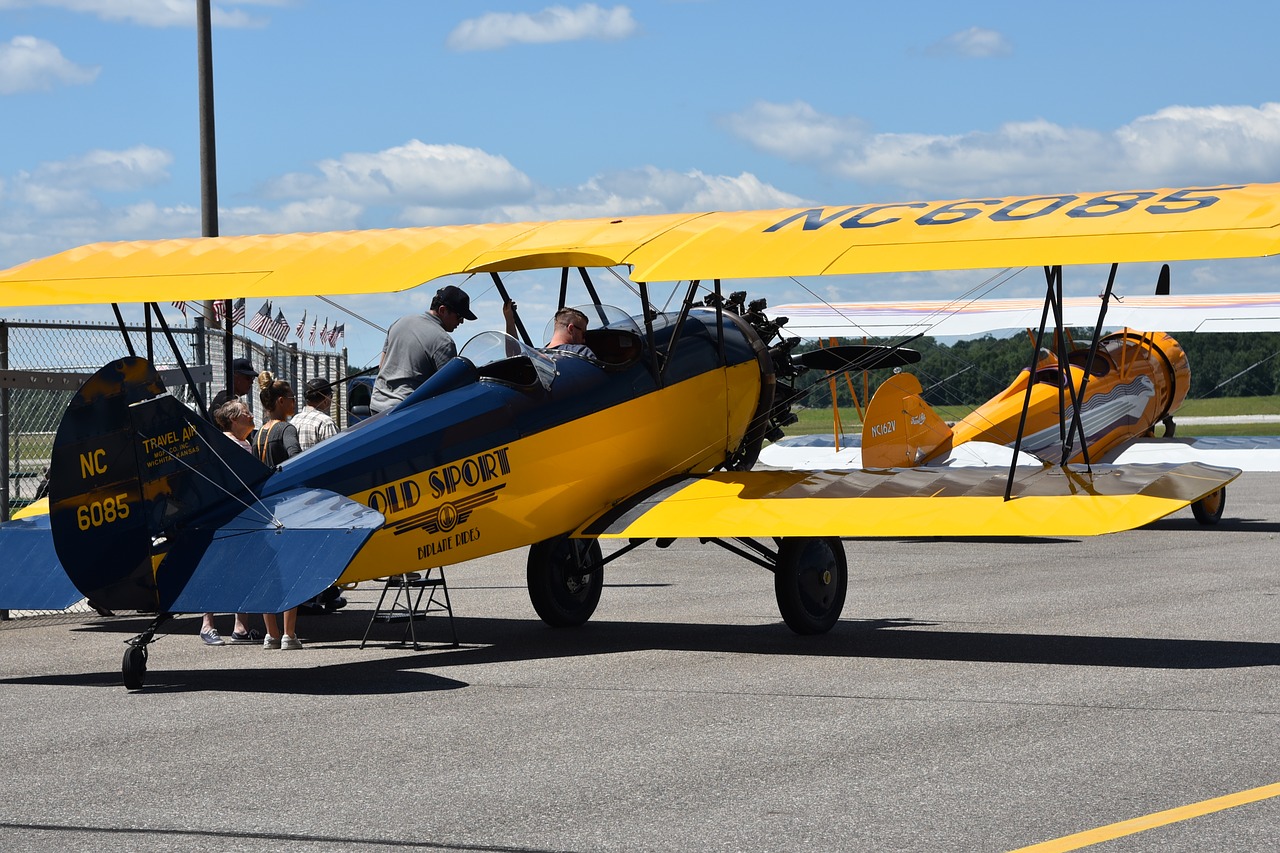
(810, 582)
(134, 667)
(565, 589)
(1208, 510)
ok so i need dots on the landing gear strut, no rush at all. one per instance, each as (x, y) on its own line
(134, 666)
(810, 578)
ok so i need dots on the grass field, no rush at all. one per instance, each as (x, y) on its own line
(819, 420)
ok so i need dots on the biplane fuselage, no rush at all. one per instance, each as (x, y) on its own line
(1136, 380)
(487, 458)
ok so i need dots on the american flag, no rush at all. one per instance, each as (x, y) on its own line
(262, 320)
(181, 306)
(336, 334)
(237, 310)
(324, 332)
(314, 321)
(301, 324)
(279, 328)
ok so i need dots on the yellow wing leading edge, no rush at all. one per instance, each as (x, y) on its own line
(1239, 220)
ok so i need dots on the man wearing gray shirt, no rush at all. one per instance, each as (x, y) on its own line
(417, 346)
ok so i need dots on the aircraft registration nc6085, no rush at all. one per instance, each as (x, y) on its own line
(508, 446)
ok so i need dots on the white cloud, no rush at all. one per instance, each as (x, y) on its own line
(634, 192)
(319, 214)
(796, 131)
(115, 171)
(973, 43)
(554, 24)
(154, 13)
(1175, 146)
(30, 64)
(436, 175)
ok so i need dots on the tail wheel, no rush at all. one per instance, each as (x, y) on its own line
(134, 667)
(565, 578)
(1208, 510)
(810, 581)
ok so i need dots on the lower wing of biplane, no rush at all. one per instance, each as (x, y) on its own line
(151, 513)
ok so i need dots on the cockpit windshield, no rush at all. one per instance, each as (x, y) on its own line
(598, 317)
(499, 356)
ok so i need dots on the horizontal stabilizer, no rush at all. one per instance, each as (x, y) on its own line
(274, 555)
(912, 502)
(31, 578)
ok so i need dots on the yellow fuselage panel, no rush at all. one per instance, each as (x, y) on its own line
(552, 481)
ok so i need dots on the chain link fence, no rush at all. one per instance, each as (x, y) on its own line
(42, 365)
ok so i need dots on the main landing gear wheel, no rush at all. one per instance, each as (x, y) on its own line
(565, 579)
(1208, 510)
(134, 666)
(810, 582)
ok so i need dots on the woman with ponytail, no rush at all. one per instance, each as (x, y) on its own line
(275, 441)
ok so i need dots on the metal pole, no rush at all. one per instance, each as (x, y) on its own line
(208, 157)
(209, 162)
(4, 424)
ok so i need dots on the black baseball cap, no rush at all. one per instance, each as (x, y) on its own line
(456, 298)
(244, 367)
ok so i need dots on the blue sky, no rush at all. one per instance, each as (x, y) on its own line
(336, 115)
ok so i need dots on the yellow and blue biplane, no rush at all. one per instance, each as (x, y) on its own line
(508, 446)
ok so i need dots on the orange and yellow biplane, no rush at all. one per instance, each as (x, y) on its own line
(509, 446)
(1123, 388)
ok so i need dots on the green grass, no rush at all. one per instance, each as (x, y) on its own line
(819, 420)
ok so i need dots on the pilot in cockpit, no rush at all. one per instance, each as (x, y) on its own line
(569, 333)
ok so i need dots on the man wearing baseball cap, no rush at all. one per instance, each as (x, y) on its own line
(242, 378)
(418, 345)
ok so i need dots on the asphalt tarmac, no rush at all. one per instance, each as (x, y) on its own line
(977, 696)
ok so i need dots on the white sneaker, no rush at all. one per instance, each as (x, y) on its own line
(271, 642)
(290, 644)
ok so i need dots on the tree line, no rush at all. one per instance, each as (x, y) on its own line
(969, 372)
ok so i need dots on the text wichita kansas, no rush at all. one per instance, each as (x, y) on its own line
(446, 519)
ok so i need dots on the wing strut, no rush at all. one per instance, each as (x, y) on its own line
(1077, 426)
(1026, 402)
(124, 333)
(515, 315)
(1052, 300)
(679, 329)
(182, 363)
(648, 333)
(595, 297)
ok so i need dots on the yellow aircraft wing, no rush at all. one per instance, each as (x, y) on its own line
(1142, 225)
(912, 502)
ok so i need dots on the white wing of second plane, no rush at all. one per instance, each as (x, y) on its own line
(1223, 312)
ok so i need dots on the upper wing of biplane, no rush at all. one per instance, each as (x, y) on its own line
(1171, 224)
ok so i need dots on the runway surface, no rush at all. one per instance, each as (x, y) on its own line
(977, 696)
